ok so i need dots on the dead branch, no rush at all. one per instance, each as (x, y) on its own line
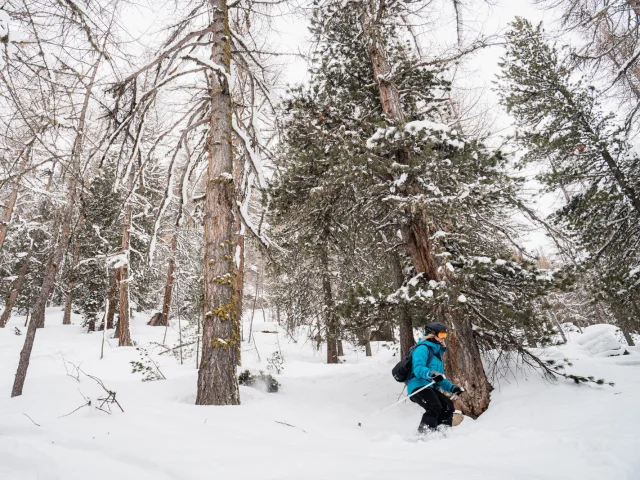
(36, 424)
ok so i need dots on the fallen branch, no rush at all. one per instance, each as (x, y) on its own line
(75, 375)
(108, 400)
(36, 424)
(167, 349)
(289, 425)
(88, 404)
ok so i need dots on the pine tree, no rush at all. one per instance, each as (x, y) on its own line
(350, 164)
(98, 238)
(585, 151)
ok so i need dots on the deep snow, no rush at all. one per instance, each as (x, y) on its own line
(532, 430)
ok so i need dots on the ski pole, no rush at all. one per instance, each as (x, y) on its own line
(395, 404)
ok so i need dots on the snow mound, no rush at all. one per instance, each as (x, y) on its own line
(600, 341)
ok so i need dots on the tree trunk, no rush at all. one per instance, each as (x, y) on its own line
(330, 320)
(239, 289)
(367, 348)
(8, 213)
(113, 298)
(13, 197)
(63, 241)
(217, 381)
(554, 318)
(620, 177)
(168, 289)
(124, 331)
(15, 290)
(386, 332)
(48, 281)
(37, 319)
(463, 363)
(407, 339)
(340, 349)
(628, 337)
(66, 319)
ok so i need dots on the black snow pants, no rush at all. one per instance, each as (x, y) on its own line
(438, 409)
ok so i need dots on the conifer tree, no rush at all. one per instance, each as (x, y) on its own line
(385, 161)
(585, 151)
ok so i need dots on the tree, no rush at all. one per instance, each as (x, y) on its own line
(378, 162)
(609, 47)
(587, 153)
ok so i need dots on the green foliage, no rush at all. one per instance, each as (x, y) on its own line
(146, 366)
(559, 369)
(261, 381)
(584, 151)
(98, 237)
(349, 180)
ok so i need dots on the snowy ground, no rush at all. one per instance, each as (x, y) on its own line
(532, 430)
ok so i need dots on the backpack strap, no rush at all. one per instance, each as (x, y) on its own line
(430, 355)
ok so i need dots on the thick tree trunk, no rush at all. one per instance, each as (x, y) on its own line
(66, 319)
(217, 381)
(124, 320)
(168, 289)
(330, 320)
(464, 364)
(15, 290)
(407, 339)
(340, 349)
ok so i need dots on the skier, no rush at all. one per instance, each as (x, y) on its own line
(428, 367)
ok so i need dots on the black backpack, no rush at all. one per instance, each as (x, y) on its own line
(403, 371)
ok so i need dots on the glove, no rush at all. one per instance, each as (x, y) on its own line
(456, 390)
(436, 377)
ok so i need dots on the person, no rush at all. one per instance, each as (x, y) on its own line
(428, 367)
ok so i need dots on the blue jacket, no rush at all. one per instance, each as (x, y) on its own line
(422, 372)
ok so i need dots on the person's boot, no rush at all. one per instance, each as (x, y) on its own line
(425, 429)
